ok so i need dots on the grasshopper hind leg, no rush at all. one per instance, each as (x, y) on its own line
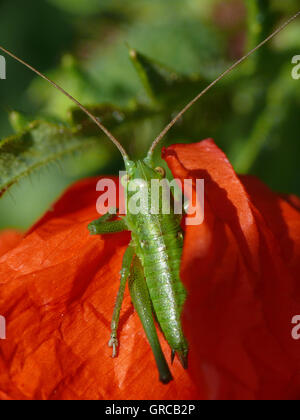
(142, 303)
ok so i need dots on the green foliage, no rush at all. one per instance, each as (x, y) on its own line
(164, 86)
(175, 52)
(42, 142)
(38, 145)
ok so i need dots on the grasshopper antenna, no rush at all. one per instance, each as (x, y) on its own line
(229, 70)
(86, 111)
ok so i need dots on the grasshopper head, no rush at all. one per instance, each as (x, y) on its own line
(143, 170)
(139, 179)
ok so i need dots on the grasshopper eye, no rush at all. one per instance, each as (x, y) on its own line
(161, 171)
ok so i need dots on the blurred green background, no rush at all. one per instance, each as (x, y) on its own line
(253, 115)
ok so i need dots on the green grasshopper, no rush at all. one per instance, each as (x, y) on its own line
(151, 263)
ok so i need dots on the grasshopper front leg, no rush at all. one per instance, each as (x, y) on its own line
(127, 261)
(142, 303)
(103, 226)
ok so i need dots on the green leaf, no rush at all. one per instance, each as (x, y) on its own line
(155, 77)
(40, 144)
(164, 86)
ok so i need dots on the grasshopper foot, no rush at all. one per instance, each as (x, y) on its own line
(113, 342)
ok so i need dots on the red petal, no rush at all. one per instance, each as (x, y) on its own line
(57, 291)
(241, 269)
(8, 240)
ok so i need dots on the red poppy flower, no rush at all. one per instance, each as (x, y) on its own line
(58, 287)
(57, 291)
(8, 240)
(241, 268)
